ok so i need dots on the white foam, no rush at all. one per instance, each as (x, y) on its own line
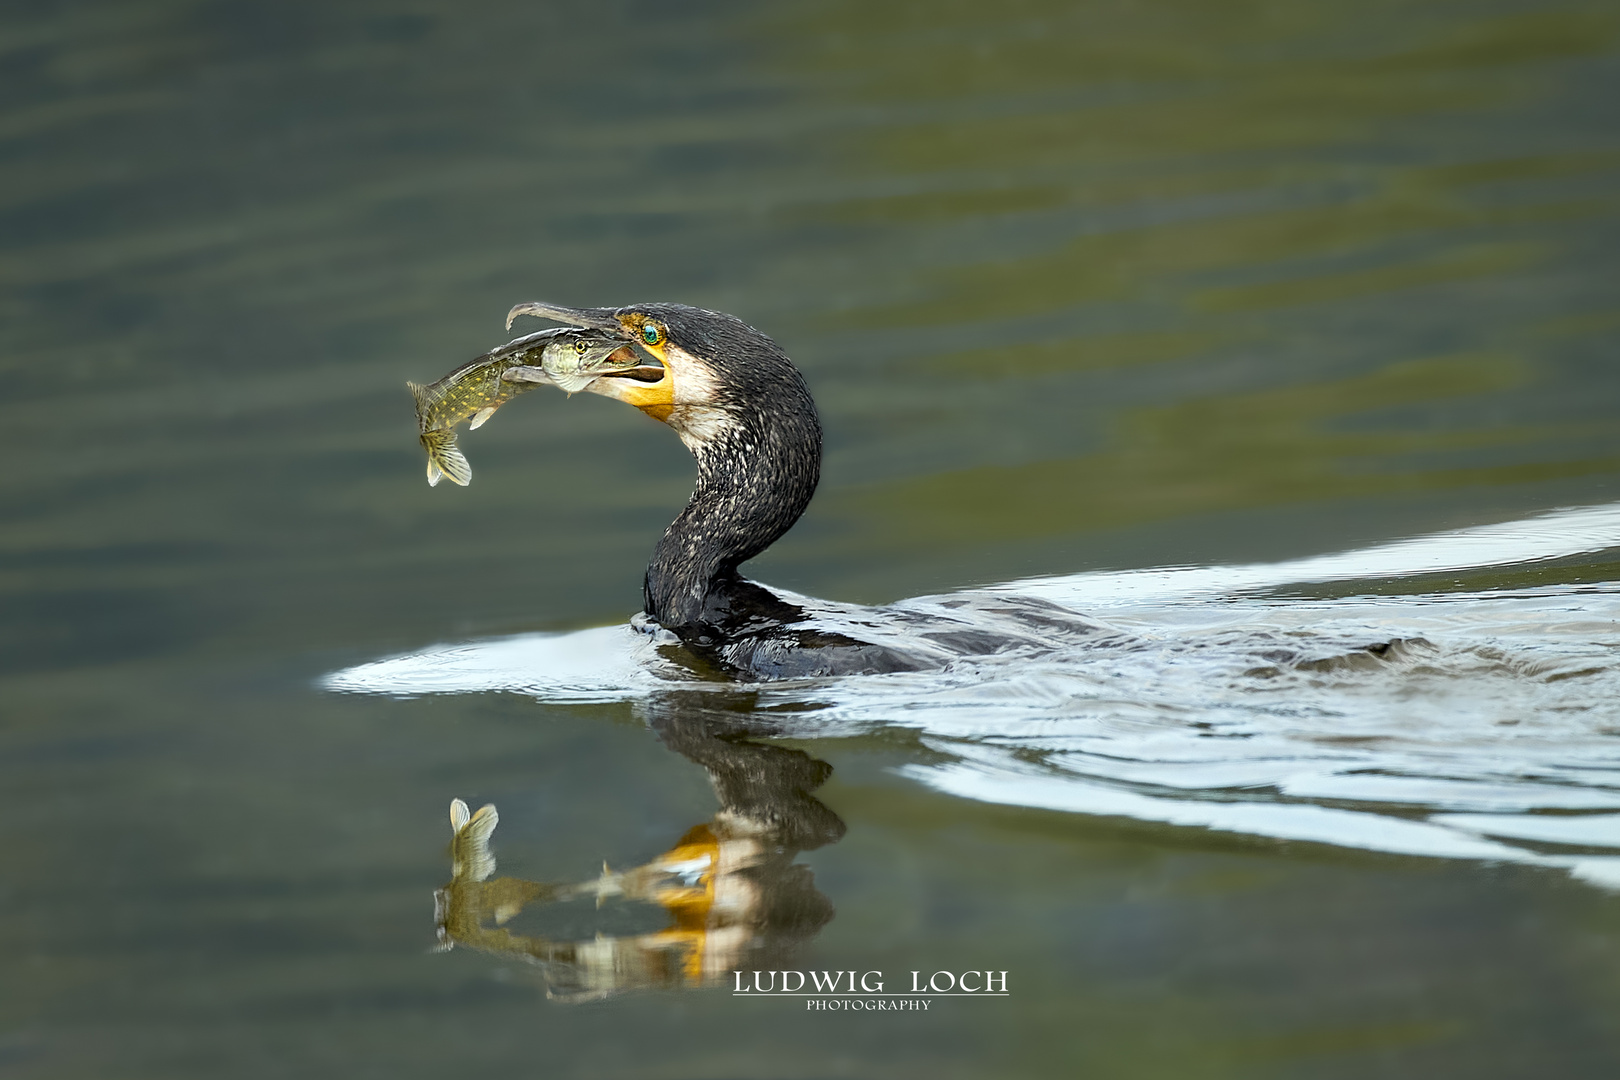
(607, 663)
(1554, 535)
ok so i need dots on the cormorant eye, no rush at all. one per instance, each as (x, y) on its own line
(652, 333)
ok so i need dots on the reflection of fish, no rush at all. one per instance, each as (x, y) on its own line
(469, 851)
(570, 358)
(730, 887)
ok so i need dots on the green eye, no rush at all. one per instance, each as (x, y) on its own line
(651, 334)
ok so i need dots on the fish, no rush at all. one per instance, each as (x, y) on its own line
(567, 357)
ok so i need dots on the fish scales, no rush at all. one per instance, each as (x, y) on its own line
(570, 357)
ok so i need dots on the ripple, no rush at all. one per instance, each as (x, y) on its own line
(1477, 725)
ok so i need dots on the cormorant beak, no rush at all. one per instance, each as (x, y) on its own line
(594, 318)
(649, 386)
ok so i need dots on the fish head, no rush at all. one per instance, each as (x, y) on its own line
(585, 352)
(634, 371)
(571, 358)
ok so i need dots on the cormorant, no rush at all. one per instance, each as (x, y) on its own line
(745, 413)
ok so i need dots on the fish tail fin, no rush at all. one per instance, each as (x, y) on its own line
(470, 854)
(445, 458)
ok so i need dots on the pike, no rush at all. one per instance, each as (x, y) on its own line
(566, 357)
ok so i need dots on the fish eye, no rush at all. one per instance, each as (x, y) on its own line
(582, 347)
(652, 333)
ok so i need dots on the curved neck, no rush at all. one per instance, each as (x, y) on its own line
(756, 474)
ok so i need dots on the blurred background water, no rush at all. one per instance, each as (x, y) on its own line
(1079, 288)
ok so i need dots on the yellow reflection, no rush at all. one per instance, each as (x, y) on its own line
(729, 888)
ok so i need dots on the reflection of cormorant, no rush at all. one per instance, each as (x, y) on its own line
(743, 409)
(762, 788)
(734, 895)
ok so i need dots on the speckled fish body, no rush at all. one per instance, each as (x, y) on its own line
(570, 357)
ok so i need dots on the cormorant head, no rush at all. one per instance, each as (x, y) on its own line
(713, 373)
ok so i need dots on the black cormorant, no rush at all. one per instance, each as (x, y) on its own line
(745, 413)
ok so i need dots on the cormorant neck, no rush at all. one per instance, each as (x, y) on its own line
(759, 460)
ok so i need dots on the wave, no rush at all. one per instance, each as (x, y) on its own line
(1478, 724)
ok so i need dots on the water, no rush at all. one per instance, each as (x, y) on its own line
(1481, 717)
(1251, 337)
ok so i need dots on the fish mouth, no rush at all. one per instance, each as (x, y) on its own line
(612, 357)
(626, 355)
(643, 382)
(646, 373)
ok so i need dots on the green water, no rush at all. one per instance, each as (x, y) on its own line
(1076, 287)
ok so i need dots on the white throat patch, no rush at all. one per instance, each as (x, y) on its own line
(696, 418)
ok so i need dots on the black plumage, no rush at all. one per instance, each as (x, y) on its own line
(744, 411)
(757, 439)
(758, 466)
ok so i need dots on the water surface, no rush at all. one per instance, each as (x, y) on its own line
(1151, 310)
(1425, 723)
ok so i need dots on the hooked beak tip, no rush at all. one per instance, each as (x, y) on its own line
(595, 319)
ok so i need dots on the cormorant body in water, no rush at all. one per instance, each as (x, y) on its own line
(745, 413)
